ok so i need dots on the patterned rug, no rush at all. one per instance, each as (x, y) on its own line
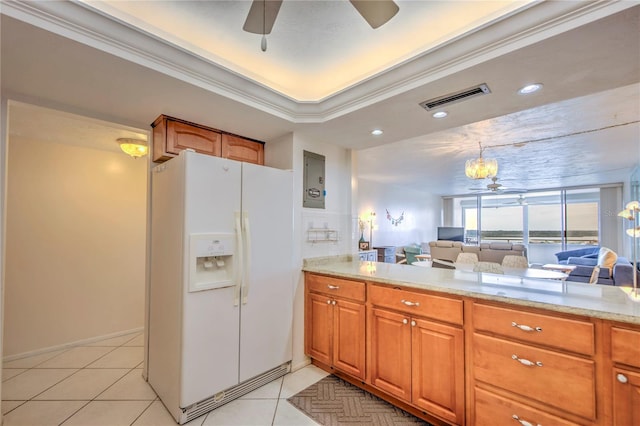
(334, 402)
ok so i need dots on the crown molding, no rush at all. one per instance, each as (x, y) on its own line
(531, 23)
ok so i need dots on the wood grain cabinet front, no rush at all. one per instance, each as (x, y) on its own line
(172, 135)
(242, 149)
(414, 358)
(541, 363)
(335, 323)
(625, 353)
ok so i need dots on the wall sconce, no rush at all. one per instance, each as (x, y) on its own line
(134, 147)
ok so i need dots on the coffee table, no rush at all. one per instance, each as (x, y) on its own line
(567, 269)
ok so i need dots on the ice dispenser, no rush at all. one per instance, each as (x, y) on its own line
(211, 261)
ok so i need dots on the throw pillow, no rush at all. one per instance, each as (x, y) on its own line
(607, 258)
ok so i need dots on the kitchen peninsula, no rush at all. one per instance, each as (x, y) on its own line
(466, 348)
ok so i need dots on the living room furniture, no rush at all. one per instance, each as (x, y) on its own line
(368, 255)
(585, 259)
(486, 252)
(467, 258)
(511, 261)
(386, 254)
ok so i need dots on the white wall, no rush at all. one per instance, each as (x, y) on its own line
(75, 245)
(336, 214)
(420, 220)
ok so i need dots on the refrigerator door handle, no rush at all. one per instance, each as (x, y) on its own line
(238, 261)
(247, 258)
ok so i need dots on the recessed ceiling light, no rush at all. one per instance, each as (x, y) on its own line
(376, 132)
(530, 88)
(440, 114)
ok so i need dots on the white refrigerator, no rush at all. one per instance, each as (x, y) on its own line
(221, 281)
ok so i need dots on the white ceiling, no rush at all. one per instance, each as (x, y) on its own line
(583, 128)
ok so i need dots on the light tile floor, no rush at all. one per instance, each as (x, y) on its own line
(101, 384)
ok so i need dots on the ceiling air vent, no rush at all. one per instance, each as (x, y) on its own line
(472, 92)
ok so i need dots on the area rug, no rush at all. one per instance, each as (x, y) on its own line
(334, 402)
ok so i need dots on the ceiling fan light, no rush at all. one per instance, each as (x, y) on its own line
(133, 147)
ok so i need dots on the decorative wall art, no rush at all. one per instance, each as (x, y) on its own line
(395, 221)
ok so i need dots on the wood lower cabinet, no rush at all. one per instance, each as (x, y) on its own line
(625, 353)
(543, 365)
(626, 397)
(335, 323)
(172, 135)
(439, 354)
(414, 358)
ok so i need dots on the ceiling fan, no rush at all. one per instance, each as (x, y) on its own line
(262, 14)
(521, 200)
(497, 188)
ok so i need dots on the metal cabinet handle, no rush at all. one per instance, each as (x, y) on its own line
(332, 287)
(333, 302)
(405, 321)
(526, 361)
(328, 302)
(622, 378)
(413, 323)
(523, 422)
(408, 303)
(524, 327)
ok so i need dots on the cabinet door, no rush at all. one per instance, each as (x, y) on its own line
(626, 397)
(181, 136)
(349, 337)
(438, 369)
(390, 342)
(241, 149)
(319, 318)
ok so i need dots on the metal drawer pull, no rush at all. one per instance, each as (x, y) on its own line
(333, 287)
(525, 327)
(333, 302)
(526, 361)
(405, 321)
(408, 303)
(523, 422)
(622, 378)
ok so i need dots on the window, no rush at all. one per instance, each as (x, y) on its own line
(546, 222)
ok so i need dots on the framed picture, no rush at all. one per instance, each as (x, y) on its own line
(364, 245)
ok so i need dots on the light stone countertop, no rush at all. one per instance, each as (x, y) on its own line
(598, 301)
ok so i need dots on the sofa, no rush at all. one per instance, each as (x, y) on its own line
(621, 274)
(486, 252)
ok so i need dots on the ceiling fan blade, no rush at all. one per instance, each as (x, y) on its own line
(376, 12)
(262, 15)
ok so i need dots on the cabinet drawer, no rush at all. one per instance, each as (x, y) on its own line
(336, 287)
(562, 333)
(562, 381)
(414, 303)
(625, 346)
(495, 410)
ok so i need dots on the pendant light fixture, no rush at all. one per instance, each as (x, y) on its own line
(481, 168)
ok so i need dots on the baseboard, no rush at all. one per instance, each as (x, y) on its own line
(301, 364)
(71, 344)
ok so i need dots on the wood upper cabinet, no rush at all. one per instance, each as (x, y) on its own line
(172, 135)
(414, 358)
(242, 149)
(335, 323)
